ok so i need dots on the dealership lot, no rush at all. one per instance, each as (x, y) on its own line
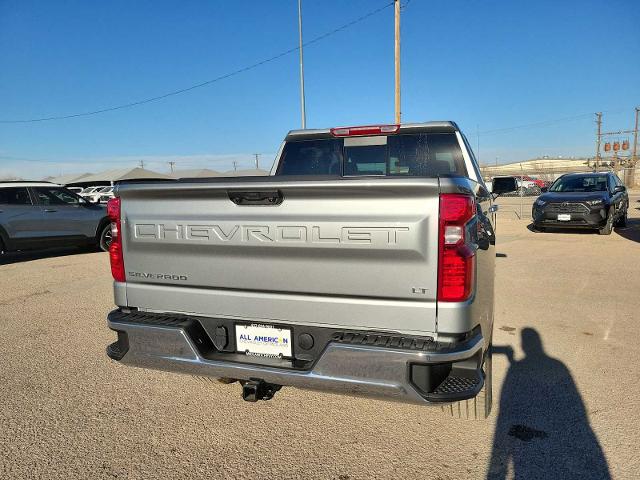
(566, 401)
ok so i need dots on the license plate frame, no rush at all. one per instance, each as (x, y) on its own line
(264, 340)
(564, 217)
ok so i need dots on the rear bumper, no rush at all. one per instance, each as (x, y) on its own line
(431, 374)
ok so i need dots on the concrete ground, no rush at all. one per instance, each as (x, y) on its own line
(566, 384)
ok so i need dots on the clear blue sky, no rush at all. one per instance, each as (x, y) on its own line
(491, 64)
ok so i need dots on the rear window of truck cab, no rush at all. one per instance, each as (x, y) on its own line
(408, 155)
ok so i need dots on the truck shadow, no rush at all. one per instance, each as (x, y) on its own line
(542, 430)
(27, 256)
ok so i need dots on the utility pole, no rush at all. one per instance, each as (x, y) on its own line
(142, 164)
(478, 135)
(635, 139)
(397, 60)
(235, 165)
(171, 165)
(257, 155)
(302, 106)
(599, 122)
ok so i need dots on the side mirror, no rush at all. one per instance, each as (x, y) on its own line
(502, 185)
(619, 188)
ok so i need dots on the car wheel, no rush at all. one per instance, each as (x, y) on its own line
(2, 249)
(105, 238)
(622, 221)
(606, 230)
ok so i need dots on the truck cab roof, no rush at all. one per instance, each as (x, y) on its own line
(426, 127)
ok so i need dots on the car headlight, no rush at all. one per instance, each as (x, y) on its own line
(595, 203)
(539, 203)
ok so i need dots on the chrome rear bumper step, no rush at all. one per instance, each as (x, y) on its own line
(179, 344)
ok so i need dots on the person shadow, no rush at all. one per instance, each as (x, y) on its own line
(542, 430)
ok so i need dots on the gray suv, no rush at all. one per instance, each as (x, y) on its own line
(41, 215)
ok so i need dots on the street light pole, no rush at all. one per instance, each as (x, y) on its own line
(397, 61)
(302, 106)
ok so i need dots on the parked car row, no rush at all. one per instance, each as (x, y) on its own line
(99, 194)
(527, 186)
(37, 215)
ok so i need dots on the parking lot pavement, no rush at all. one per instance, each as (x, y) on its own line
(566, 385)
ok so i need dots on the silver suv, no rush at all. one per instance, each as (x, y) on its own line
(41, 215)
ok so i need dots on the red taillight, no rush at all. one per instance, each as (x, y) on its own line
(115, 250)
(455, 257)
(365, 130)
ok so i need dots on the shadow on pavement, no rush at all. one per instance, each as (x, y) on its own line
(27, 256)
(631, 231)
(542, 429)
(575, 231)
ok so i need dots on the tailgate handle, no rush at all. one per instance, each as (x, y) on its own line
(267, 197)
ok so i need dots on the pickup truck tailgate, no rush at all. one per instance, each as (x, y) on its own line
(357, 253)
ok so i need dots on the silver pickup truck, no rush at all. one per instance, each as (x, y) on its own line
(364, 264)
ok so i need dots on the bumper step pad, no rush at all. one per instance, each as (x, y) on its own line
(457, 385)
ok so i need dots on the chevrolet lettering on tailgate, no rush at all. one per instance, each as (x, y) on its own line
(237, 234)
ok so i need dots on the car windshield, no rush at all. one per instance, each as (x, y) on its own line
(590, 183)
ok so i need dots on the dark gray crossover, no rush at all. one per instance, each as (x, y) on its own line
(37, 215)
(583, 200)
(364, 265)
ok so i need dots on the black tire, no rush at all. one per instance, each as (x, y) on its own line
(2, 248)
(538, 228)
(608, 228)
(622, 221)
(104, 238)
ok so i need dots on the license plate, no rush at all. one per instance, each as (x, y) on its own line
(263, 340)
(564, 217)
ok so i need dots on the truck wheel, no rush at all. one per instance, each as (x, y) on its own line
(104, 240)
(479, 407)
(606, 230)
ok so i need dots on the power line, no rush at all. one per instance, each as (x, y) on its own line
(536, 124)
(544, 123)
(207, 82)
